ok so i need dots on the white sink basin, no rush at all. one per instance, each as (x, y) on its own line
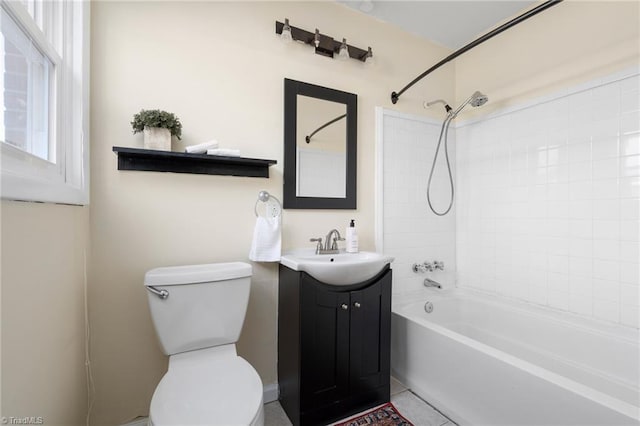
(337, 269)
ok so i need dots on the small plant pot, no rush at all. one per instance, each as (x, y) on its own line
(157, 138)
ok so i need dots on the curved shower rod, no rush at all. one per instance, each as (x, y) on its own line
(308, 138)
(396, 95)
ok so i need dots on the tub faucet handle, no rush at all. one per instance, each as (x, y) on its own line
(438, 265)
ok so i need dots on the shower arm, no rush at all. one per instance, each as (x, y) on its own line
(396, 95)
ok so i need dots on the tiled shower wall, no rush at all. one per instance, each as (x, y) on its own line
(548, 201)
(411, 232)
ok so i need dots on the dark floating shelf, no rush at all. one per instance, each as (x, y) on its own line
(150, 160)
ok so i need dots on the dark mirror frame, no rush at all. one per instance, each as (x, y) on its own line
(292, 89)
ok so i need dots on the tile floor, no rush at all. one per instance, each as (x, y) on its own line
(408, 404)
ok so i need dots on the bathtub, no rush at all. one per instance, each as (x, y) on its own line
(486, 361)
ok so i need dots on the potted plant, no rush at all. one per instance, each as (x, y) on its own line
(158, 127)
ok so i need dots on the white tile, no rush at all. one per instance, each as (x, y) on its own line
(606, 249)
(604, 148)
(580, 267)
(417, 411)
(606, 269)
(606, 210)
(630, 294)
(630, 122)
(580, 171)
(630, 166)
(630, 102)
(630, 273)
(581, 285)
(558, 300)
(581, 304)
(581, 228)
(579, 152)
(629, 187)
(604, 290)
(605, 169)
(630, 144)
(630, 209)
(603, 189)
(580, 247)
(630, 316)
(606, 229)
(558, 282)
(605, 310)
(630, 230)
(629, 251)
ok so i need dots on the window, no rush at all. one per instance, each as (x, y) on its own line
(44, 87)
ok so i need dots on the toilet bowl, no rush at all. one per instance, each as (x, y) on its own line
(198, 312)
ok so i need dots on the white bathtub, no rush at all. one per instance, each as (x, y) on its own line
(483, 361)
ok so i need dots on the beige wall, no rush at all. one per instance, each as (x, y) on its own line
(43, 339)
(219, 67)
(567, 44)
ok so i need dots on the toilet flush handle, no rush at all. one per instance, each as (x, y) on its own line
(162, 294)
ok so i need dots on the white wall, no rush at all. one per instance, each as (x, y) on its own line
(43, 332)
(412, 233)
(220, 67)
(549, 200)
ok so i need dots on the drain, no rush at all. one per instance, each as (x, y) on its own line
(428, 307)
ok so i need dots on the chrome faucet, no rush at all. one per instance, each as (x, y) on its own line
(332, 238)
(334, 242)
(431, 283)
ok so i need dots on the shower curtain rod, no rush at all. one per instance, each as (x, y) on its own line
(395, 96)
(308, 138)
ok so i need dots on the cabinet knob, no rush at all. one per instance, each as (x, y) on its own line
(356, 304)
(344, 306)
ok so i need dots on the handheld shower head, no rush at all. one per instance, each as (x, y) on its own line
(476, 100)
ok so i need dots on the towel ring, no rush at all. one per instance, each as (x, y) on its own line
(264, 196)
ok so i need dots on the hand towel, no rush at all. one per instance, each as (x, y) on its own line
(225, 152)
(201, 148)
(267, 240)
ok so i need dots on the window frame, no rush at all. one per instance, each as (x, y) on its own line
(30, 178)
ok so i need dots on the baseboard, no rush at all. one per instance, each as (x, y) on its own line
(270, 393)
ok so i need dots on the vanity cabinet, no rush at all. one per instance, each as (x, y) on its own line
(333, 346)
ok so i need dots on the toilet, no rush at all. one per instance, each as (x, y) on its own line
(198, 312)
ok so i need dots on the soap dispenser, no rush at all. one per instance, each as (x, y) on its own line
(352, 237)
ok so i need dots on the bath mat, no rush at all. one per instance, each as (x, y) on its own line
(385, 415)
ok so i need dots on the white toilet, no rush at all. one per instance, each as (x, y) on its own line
(198, 313)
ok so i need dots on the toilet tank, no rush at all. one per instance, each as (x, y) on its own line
(204, 307)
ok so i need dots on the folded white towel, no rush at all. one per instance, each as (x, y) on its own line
(225, 152)
(267, 240)
(201, 148)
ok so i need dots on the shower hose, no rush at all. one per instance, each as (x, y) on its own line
(443, 132)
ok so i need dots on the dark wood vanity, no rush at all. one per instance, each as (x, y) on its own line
(333, 346)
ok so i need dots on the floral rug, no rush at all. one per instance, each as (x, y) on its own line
(385, 415)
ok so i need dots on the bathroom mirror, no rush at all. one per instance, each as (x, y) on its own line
(320, 141)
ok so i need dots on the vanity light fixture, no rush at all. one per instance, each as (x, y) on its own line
(368, 59)
(344, 50)
(285, 34)
(324, 45)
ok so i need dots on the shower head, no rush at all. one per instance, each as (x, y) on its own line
(476, 100)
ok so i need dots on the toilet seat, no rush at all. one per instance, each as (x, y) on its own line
(210, 386)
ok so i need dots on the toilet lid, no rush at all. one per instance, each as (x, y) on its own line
(225, 392)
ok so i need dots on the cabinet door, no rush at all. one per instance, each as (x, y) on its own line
(370, 336)
(325, 345)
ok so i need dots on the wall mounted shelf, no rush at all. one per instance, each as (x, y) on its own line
(149, 160)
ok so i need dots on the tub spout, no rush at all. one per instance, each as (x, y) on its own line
(431, 283)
